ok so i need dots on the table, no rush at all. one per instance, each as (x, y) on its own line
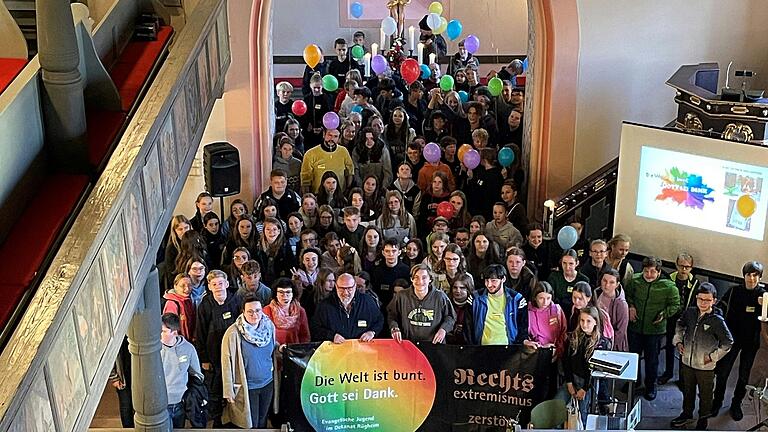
(629, 375)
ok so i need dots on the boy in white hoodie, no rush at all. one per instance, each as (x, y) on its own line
(179, 359)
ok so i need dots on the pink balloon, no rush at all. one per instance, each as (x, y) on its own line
(331, 120)
(471, 159)
(432, 152)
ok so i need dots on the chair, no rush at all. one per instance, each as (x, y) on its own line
(549, 414)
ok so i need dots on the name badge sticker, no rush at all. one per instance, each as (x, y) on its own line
(183, 358)
(227, 315)
(750, 309)
(362, 323)
(570, 289)
(553, 321)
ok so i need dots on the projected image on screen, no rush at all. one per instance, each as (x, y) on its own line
(702, 192)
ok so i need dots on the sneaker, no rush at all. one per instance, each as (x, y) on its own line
(665, 378)
(736, 412)
(681, 420)
(702, 424)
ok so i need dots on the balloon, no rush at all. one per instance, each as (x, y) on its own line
(389, 25)
(495, 86)
(453, 30)
(463, 150)
(506, 156)
(471, 159)
(330, 83)
(299, 108)
(472, 43)
(357, 108)
(426, 72)
(464, 96)
(746, 206)
(312, 55)
(433, 21)
(357, 52)
(567, 237)
(331, 120)
(446, 210)
(410, 70)
(356, 9)
(446, 83)
(441, 28)
(525, 64)
(432, 152)
(379, 64)
(436, 7)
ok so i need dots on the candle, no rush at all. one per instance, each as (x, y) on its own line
(374, 49)
(383, 39)
(411, 38)
(367, 59)
(764, 315)
(549, 213)
(420, 53)
(432, 58)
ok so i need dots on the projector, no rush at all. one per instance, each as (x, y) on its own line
(604, 361)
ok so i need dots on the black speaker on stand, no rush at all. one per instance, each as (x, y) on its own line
(221, 167)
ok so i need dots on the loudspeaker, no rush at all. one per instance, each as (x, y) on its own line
(221, 162)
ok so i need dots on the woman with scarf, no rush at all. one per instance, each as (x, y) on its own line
(290, 319)
(247, 367)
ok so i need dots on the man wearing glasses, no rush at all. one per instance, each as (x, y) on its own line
(346, 315)
(594, 268)
(687, 285)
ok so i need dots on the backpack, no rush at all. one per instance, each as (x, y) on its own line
(164, 301)
(195, 401)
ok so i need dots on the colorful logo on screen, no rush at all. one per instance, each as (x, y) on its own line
(378, 386)
(684, 188)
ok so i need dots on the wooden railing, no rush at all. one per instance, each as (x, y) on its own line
(56, 363)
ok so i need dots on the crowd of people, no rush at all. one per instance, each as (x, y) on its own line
(358, 237)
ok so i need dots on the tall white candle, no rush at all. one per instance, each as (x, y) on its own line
(764, 315)
(374, 49)
(383, 39)
(367, 60)
(420, 52)
(432, 58)
(411, 37)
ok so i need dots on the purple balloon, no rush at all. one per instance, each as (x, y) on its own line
(331, 120)
(472, 43)
(379, 64)
(432, 152)
(471, 159)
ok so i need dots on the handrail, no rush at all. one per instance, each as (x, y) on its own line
(64, 344)
(583, 192)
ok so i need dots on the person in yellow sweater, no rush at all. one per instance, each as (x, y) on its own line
(328, 156)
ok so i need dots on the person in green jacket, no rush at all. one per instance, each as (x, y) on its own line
(652, 299)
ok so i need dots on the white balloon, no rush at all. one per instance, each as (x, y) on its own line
(389, 25)
(433, 21)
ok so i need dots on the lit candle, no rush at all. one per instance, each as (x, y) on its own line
(764, 315)
(549, 213)
(432, 58)
(383, 39)
(367, 60)
(420, 52)
(411, 37)
(374, 49)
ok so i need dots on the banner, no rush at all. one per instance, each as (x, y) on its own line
(388, 386)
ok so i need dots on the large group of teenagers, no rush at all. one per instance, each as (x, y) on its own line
(359, 237)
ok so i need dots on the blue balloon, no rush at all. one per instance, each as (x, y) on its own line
(426, 72)
(357, 108)
(463, 96)
(525, 64)
(567, 237)
(454, 29)
(356, 9)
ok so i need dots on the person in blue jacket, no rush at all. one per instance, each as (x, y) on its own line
(499, 314)
(347, 315)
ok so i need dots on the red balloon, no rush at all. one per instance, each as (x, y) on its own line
(446, 210)
(299, 108)
(410, 70)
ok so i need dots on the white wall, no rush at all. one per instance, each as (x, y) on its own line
(630, 48)
(501, 25)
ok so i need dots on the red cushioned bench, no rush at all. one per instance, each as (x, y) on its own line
(9, 68)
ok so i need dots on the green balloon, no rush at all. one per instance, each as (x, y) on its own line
(495, 86)
(446, 83)
(330, 83)
(357, 52)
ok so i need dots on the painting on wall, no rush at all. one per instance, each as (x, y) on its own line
(181, 127)
(153, 188)
(213, 59)
(164, 142)
(65, 373)
(114, 263)
(204, 78)
(35, 413)
(138, 241)
(92, 320)
(222, 31)
(192, 91)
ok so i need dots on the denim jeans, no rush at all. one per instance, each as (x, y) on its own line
(260, 401)
(585, 403)
(648, 347)
(176, 413)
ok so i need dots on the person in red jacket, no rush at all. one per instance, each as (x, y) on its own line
(178, 302)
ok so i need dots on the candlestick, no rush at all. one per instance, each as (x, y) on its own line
(374, 49)
(367, 61)
(411, 38)
(420, 53)
(764, 314)
(383, 39)
(432, 58)
(549, 218)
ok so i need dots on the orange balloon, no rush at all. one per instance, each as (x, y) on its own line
(746, 206)
(463, 150)
(312, 55)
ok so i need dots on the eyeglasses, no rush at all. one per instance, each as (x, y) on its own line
(684, 267)
(346, 288)
(198, 268)
(326, 217)
(252, 312)
(285, 292)
(452, 259)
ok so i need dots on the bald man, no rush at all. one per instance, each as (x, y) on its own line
(346, 314)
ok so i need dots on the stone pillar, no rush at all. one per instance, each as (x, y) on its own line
(150, 400)
(63, 102)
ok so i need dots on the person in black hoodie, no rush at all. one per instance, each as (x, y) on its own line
(483, 182)
(214, 239)
(274, 252)
(318, 103)
(203, 205)
(742, 309)
(539, 252)
(283, 104)
(216, 312)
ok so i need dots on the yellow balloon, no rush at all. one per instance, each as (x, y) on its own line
(463, 150)
(746, 206)
(436, 7)
(312, 55)
(442, 27)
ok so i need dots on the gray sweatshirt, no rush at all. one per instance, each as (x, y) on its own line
(419, 320)
(702, 336)
(178, 361)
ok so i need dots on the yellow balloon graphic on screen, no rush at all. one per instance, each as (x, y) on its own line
(746, 206)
